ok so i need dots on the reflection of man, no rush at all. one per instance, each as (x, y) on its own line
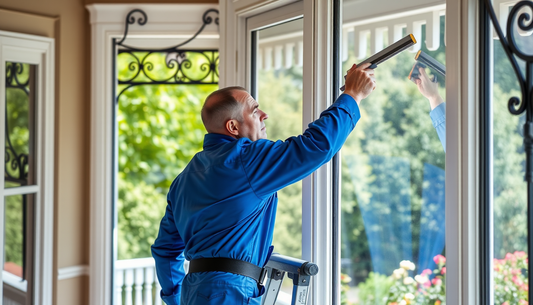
(222, 207)
(429, 89)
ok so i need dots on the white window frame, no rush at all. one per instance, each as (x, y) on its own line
(167, 25)
(39, 51)
(462, 161)
(316, 206)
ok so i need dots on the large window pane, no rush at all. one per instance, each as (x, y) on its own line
(392, 172)
(279, 82)
(159, 130)
(509, 188)
(19, 129)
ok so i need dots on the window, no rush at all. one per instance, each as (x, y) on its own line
(167, 25)
(505, 208)
(26, 202)
(392, 168)
(277, 87)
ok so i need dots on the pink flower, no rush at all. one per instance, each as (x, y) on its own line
(525, 287)
(517, 281)
(427, 284)
(520, 254)
(427, 272)
(505, 303)
(439, 259)
(443, 271)
(523, 302)
(436, 281)
(510, 257)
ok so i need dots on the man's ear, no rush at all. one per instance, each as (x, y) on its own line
(232, 126)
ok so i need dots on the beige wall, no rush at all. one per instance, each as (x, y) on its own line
(67, 22)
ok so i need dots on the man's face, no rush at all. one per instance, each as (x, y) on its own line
(253, 126)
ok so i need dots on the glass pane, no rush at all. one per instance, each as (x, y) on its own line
(509, 188)
(392, 169)
(159, 131)
(18, 248)
(279, 94)
(19, 130)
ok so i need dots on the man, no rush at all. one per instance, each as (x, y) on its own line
(222, 207)
(430, 91)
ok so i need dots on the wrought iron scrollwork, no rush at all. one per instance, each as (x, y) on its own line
(515, 105)
(15, 169)
(179, 67)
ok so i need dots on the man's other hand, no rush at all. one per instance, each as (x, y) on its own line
(428, 89)
(360, 82)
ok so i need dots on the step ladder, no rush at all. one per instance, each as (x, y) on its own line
(298, 270)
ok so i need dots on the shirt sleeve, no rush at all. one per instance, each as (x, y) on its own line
(167, 251)
(270, 166)
(438, 117)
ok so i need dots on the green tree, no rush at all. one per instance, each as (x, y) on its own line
(280, 96)
(159, 131)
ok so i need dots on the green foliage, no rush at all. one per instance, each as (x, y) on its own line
(510, 193)
(280, 96)
(140, 207)
(13, 230)
(374, 290)
(159, 131)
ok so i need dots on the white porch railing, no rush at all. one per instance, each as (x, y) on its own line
(136, 282)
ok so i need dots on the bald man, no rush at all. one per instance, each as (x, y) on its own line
(222, 207)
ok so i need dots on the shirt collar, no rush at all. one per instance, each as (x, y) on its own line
(212, 139)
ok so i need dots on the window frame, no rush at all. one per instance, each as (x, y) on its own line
(174, 23)
(462, 157)
(35, 50)
(316, 195)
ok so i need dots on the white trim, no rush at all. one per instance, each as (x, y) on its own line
(14, 281)
(165, 22)
(317, 223)
(21, 190)
(72, 272)
(462, 189)
(39, 51)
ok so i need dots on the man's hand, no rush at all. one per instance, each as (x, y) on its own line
(428, 89)
(360, 82)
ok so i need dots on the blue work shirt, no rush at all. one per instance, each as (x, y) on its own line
(224, 202)
(438, 117)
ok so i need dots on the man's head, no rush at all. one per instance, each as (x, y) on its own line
(234, 112)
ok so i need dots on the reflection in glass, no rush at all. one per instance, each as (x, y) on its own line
(509, 188)
(392, 179)
(19, 130)
(279, 94)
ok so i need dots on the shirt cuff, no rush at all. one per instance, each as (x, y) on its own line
(348, 103)
(438, 115)
(171, 299)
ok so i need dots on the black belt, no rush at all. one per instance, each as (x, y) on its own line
(228, 265)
